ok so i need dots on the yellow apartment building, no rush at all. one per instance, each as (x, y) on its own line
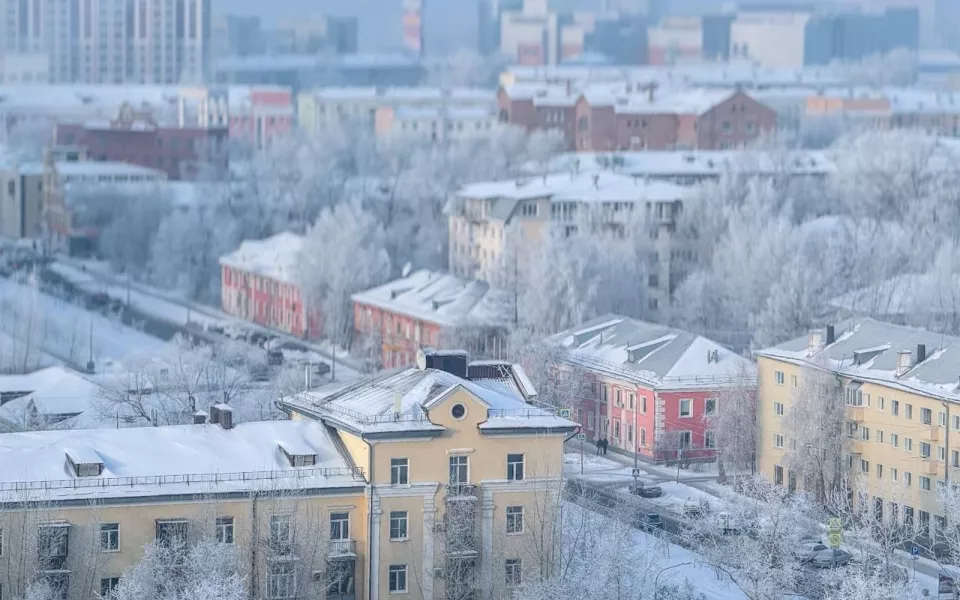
(486, 219)
(464, 476)
(901, 435)
(419, 483)
(77, 508)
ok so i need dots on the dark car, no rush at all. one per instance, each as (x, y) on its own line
(645, 491)
(274, 358)
(255, 337)
(651, 522)
(321, 368)
(695, 510)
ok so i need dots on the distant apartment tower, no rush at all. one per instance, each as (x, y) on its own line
(318, 35)
(47, 27)
(413, 26)
(170, 40)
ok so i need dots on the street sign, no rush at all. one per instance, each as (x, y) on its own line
(835, 524)
(564, 413)
(915, 552)
(636, 472)
(581, 437)
(835, 539)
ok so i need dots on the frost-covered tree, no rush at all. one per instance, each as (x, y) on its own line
(173, 570)
(734, 423)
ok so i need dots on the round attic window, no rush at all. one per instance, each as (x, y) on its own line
(458, 411)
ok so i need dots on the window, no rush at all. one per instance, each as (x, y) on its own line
(633, 401)
(864, 466)
(942, 419)
(281, 582)
(399, 471)
(515, 467)
(281, 534)
(171, 532)
(941, 453)
(108, 585)
(616, 429)
(398, 579)
(339, 526)
(894, 476)
(224, 530)
(778, 375)
(630, 433)
(110, 537)
(710, 406)
(643, 404)
(907, 478)
(686, 407)
(710, 440)
(908, 444)
(778, 475)
(458, 411)
(514, 572)
(865, 434)
(398, 525)
(459, 472)
(924, 450)
(514, 519)
(926, 415)
(908, 411)
(777, 440)
(954, 460)
(1, 543)
(686, 439)
(924, 483)
(895, 407)
(643, 437)
(617, 400)
(880, 436)
(879, 471)
(529, 209)
(881, 403)
(778, 408)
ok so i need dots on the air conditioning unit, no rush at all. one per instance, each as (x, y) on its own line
(319, 576)
(438, 572)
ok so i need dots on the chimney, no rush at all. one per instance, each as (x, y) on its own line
(596, 181)
(903, 362)
(815, 341)
(451, 361)
(199, 417)
(651, 91)
(921, 353)
(307, 383)
(831, 335)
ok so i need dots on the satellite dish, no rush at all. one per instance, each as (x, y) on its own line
(421, 359)
(406, 270)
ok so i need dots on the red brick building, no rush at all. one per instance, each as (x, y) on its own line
(431, 309)
(261, 115)
(259, 283)
(611, 118)
(647, 388)
(136, 138)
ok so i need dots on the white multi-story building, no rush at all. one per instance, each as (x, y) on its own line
(103, 36)
(41, 27)
(170, 40)
(24, 68)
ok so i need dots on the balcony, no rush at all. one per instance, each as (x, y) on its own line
(855, 413)
(932, 468)
(342, 550)
(53, 564)
(936, 433)
(855, 445)
(463, 491)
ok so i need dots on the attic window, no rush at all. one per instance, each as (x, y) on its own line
(84, 464)
(299, 456)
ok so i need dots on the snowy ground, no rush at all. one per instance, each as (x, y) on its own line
(62, 330)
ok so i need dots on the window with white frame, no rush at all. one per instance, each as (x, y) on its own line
(777, 440)
(109, 537)
(924, 450)
(643, 404)
(397, 579)
(459, 470)
(908, 444)
(710, 440)
(864, 466)
(686, 439)
(281, 534)
(515, 467)
(686, 408)
(926, 416)
(865, 434)
(710, 406)
(224, 530)
(924, 483)
(879, 471)
(398, 525)
(339, 526)
(778, 375)
(907, 478)
(879, 434)
(633, 400)
(643, 436)
(281, 580)
(514, 572)
(399, 471)
(514, 519)
(794, 382)
(778, 409)
(894, 475)
(941, 453)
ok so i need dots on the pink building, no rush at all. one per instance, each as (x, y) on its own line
(261, 115)
(648, 389)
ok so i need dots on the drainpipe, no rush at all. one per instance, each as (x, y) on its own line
(370, 532)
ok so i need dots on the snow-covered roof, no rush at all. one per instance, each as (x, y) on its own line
(882, 343)
(399, 401)
(55, 393)
(276, 257)
(694, 163)
(651, 354)
(151, 462)
(694, 101)
(95, 170)
(441, 298)
(408, 95)
(575, 187)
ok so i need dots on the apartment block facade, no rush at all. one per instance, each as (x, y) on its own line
(649, 390)
(639, 117)
(900, 388)
(488, 221)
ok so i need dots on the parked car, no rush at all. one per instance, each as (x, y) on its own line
(696, 509)
(809, 549)
(830, 558)
(321, 368)
(645, 491)
(651, 522)
(257, 338)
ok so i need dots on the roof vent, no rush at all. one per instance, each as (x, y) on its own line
(200, 417)
(921, 353)
(222, 414)
(904, 362)
(84, 463)
(298, 456)
(815, 341)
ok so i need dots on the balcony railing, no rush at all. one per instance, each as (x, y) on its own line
(53, 563)
(461, 490)
(342, 549)
(935, 433)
